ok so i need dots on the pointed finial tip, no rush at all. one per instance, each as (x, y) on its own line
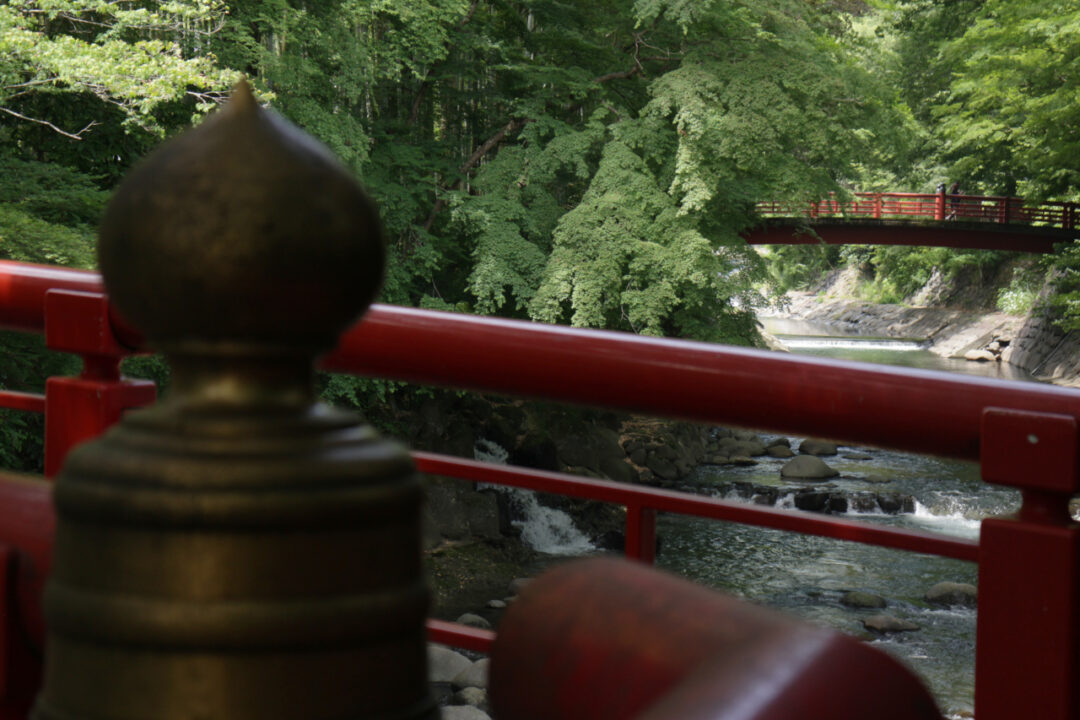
(242, 96)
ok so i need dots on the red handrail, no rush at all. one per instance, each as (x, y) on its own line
(1024, 434)
(934, 206)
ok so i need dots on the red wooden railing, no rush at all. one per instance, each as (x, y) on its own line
(930, 206)
(1024, 435)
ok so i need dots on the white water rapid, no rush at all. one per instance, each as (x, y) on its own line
(544, 529)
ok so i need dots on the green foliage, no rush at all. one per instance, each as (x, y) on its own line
(1067, 299)
(1013, 116)
(26, 364)
(136, 57)
(899, 272)
(797, 267)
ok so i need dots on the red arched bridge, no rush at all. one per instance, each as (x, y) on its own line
(928, 219)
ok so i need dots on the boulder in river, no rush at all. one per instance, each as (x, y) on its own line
(780, 451)
(951, 593)
(807, 467)
(813, 446)
(858, 599)
(888, 624)
(980, 356)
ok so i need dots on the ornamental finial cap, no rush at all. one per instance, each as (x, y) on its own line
(244, 231)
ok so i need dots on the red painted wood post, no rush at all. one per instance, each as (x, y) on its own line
(1027, 662)
(641, 533)
(83, 407)
(939, 205)
(877, 206)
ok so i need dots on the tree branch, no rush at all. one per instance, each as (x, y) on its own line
(478, 154)
(46, 123)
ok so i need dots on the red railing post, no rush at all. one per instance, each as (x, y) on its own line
(83, 407)
(877, 206)
(939, 205)
(641, 533)
(1028, 635)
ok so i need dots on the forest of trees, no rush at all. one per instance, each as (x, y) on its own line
(590, 163)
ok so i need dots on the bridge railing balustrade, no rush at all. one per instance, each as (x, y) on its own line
(1028, 647)
(928, 206)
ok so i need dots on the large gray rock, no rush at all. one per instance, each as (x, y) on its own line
(950, 593)
(888, 624)
(476, 675)
(980, 356)
(455, 510)
(807, 467)
(445, 664)
(661, 467)
(813, 446)
(857, 599)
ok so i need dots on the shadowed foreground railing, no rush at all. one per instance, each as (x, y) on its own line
(1024, 436)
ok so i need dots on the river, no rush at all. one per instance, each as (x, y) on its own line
(807, 575)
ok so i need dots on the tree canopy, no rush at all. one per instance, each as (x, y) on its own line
(591, 163)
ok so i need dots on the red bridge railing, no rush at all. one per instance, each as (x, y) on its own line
(1024, 436)
(930, 206)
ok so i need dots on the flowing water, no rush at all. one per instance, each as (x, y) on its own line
(807, 575)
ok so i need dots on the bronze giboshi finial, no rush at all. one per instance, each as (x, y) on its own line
(243, 230)
(238, 551)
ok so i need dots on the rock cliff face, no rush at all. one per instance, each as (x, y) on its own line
(1046, 351)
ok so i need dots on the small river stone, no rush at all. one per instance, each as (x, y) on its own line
(463, 712)
(859, 599)
(951, 593)
(474, 620)
(496, 604)
(888, 624)
(857, 456)
(780, 451)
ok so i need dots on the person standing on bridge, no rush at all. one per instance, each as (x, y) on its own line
(954, 199)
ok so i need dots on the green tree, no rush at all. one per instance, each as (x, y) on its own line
(1012, 117)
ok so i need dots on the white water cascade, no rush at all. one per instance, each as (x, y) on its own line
(856, 343)
(544, 529)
